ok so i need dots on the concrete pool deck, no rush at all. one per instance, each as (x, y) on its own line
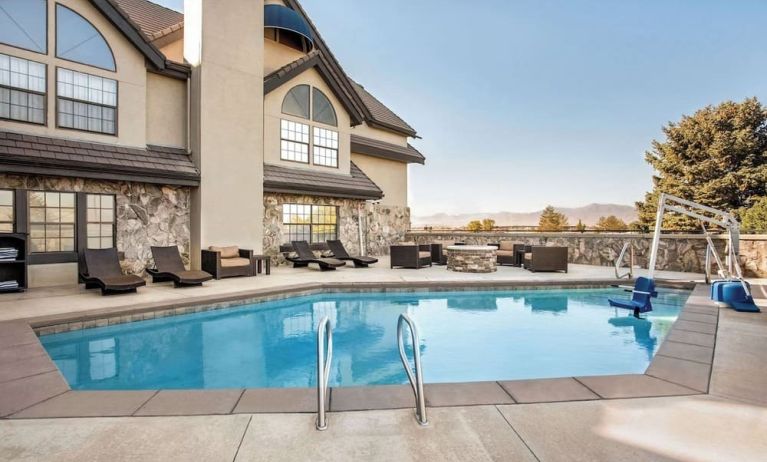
(713, 350)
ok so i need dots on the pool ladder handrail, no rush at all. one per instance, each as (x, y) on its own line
(630, 273)
(324, 334)
(416, 380)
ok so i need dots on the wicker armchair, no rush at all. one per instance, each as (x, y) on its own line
(541, 258)
(410, 255)
(226, 262)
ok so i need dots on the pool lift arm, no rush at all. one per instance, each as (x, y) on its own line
(730, 270)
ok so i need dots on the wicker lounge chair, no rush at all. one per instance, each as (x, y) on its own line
(339, 252)
(226, 262)
(541, 258)
(102, 271)
(410, 256)
(507, 253)
(305, 256)
(169, 267)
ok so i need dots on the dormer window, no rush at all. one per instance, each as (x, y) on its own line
(286, 26)
(295, 139)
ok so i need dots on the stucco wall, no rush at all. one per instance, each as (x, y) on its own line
(678, 252)
(389, 175)
(166, 121)
(273, 115)
(384, 135)
(147, 215)
(131, 76)
(277, 55)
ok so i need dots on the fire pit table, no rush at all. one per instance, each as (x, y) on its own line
(471, 258)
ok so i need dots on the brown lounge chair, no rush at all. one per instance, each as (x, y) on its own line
(306, 256)
(542, 258)
(227, 262)
(410, 255)
(169, 267)
(339, 252)
(102, 270)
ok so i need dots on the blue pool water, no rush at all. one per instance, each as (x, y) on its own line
(465, 336)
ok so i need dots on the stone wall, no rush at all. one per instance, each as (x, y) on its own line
(147, 214)
(382, 225)
(677, 252)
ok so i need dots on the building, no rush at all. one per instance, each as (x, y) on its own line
(123, 123)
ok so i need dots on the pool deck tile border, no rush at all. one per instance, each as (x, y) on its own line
(46, 394)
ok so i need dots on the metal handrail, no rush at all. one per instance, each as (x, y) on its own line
(324, 333)
(630, 273)
(416, 382)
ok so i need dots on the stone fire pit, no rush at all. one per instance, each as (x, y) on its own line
(471, 258)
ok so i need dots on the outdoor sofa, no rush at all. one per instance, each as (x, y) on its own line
(410, 255)
(542, 258)
(101, 270)
(339, 252)
(226, 262)
(168, 266)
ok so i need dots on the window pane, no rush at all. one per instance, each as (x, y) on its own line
(325, 147)
(52, 227)
(20, 78)
(322, 109)
(100, 226)
(6, 211)
(23, 24)
(77, 40)
(296, 102)
(295, 141)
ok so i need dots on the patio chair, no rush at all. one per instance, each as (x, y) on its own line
(507, 253)
(641, 295)
(541, 258)
(102, 270)
(226, 262)
(339, 252)
(410, 256)
(170, 267)
(305, 256)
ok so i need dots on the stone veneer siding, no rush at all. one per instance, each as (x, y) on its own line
(382, 225)
(677, 252)
(147, 214)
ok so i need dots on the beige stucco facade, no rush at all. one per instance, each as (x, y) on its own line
(166, 111)
(389, 175)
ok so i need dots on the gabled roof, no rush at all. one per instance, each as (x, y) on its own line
(313, 59)
(151, 18)
(42, 155)
(278, 179)
(384, 150)
(376, 113)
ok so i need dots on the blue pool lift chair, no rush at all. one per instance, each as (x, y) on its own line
(643, 292)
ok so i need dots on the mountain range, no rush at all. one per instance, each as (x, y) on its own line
(589, 214)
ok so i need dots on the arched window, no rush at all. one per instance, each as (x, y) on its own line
(23, 24)
(322, 109)
(77, 40)
(296, 102)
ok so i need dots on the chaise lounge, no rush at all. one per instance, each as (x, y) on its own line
(305, 256)
(339, 252)
(102, 270)
(170, 267)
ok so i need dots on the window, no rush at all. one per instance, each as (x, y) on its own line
(322, 109)
(86, 102)
(22, 89)
(296, 102)
(294, 141)
(325, 151)
(23, 24)
(77, 40)
(311, 223)
(100, 221)
(51, 221)
(6, 211)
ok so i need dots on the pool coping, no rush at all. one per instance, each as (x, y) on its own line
(31, 386)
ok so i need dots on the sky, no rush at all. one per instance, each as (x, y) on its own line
(524, 103)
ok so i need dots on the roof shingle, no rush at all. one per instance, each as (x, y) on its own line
(303, 181)
(377, 148)
(151, 18)
(21, 153)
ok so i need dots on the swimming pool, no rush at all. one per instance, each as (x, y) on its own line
(465, 336)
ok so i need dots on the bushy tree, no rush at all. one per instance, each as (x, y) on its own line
(716, 157)
(580, 227)
(611, 223)
(488, 224)
(754, 219)
(474, 226)
(551, 220)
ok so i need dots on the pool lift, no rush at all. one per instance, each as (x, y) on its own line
(731, 289)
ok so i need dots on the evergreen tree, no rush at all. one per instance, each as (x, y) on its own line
(754, 219)
(551, 220)
(580, 227)
(716, 157)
